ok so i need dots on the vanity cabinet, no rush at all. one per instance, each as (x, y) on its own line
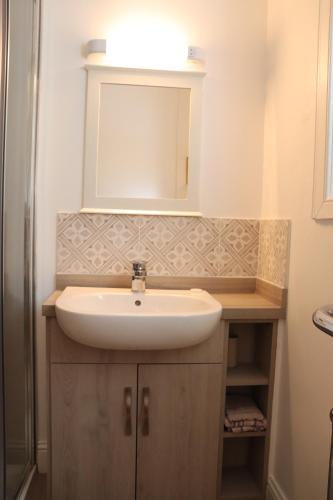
(149, 425)
(134, 425)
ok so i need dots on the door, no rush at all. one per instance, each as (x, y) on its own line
(93, 431)
(178, 431)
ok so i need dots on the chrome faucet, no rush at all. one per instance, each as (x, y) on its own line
(139, 277)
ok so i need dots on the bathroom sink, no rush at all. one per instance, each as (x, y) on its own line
(117, 318)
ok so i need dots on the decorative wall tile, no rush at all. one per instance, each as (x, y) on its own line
(273, 259)
(239, 245)
(95, 244)
(171, 246)
(180, 246)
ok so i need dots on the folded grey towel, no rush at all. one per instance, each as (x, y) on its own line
(254, 424)
(246, 429)
(242, 412)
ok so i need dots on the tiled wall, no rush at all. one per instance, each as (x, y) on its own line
(273, 260)
(171, 246)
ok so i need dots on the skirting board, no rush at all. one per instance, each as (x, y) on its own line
(42, 459)
(274, 492)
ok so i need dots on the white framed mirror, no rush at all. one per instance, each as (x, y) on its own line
(142, 141)
(323, 173)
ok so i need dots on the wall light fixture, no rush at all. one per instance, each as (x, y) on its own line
(98, 46)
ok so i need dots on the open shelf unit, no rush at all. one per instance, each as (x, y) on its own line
(243, 468)
(232, 435)
(253, 354)
(245, 455)
(239, 484)
(246, 374)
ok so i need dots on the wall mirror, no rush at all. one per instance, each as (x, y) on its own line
(323, 175)
(142, 141)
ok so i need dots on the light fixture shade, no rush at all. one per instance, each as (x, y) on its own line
(96, 46)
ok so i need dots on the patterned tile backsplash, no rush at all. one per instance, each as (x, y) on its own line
(273, 260)
(171, 246)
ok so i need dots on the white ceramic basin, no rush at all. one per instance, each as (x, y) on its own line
(117, 318)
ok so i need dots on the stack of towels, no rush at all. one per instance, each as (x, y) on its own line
(243, 415)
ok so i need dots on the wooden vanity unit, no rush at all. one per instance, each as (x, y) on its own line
(149, 425)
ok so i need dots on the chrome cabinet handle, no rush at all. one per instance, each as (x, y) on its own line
(145, 411)
(128, 411)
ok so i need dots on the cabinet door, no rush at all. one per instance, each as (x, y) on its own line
(93, 431)
(178, 431)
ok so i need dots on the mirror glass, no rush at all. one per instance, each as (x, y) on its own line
(143, 142)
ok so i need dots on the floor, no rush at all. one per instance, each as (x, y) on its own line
(37, 490)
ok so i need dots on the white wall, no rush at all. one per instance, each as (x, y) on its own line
(306, 395)
(232, 34)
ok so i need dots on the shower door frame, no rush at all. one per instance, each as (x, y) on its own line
(3, 87)
(29, 232)
(29, 251)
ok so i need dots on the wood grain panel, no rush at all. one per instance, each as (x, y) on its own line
(178, 459)
(65, 350)
(248, 306)
(48, 307)
(272, 292)
(92, 458)
(235, 305)
(272, 356)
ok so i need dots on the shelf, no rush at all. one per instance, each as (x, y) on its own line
(239, 484)
(240, 435)
(245, 454)
(246, 374)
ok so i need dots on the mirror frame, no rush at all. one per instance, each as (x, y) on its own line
(323, 171)
(98, 75)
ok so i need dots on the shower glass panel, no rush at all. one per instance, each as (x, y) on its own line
(18, 180)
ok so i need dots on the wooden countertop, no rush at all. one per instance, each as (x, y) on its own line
(48, 307)
(248, 306)
(235, 306)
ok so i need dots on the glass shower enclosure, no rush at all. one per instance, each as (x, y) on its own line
(18, 102)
